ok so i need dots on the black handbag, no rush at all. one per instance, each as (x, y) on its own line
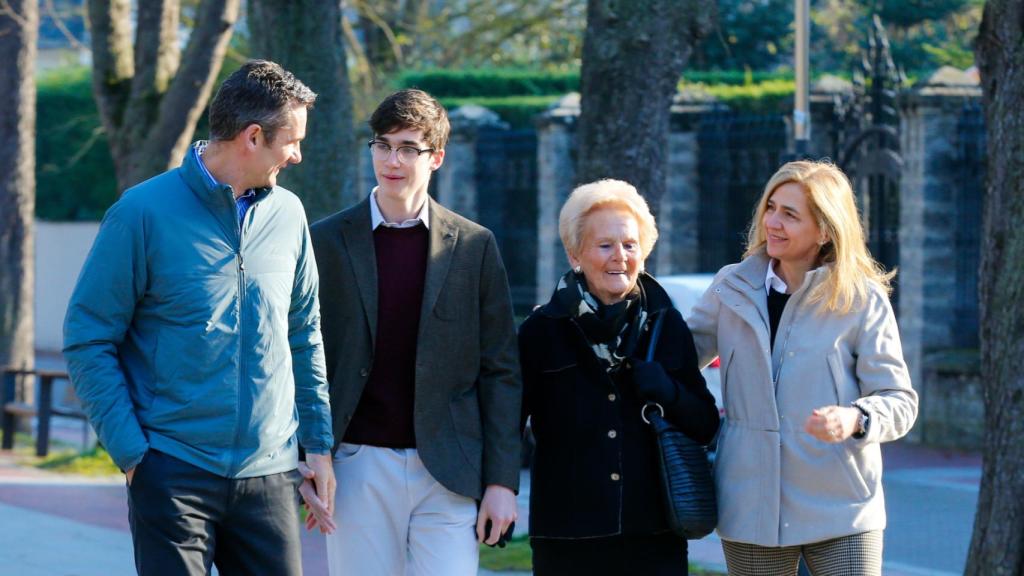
(686, 483)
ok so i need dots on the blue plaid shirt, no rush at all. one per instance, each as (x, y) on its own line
(243, 202)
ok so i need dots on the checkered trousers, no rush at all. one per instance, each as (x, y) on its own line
(856, 555)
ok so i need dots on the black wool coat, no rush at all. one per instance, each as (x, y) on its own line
(595, 468)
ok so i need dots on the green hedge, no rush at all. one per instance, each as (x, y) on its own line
(518, 111)
(490, 82)
(75, 177)
(74, 171)
(767, 97)
(499, 82)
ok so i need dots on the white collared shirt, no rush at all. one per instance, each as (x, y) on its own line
(772, 280)
(377, 217)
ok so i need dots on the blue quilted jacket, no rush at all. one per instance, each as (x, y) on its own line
(197, 336)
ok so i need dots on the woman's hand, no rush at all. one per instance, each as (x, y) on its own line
(653, 384)
(832, 423)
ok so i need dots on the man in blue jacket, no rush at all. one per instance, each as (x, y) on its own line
(193, 340)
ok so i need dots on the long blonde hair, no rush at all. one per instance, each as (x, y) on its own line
(830, 197)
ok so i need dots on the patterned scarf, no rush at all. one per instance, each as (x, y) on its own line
(611, 330)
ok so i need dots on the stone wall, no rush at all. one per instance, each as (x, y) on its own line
(952, 410)
(929, 116)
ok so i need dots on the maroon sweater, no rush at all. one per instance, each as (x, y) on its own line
(384, 416)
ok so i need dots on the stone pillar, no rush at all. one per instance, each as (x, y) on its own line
(456, 179)
(829, 96)
(556, 174)
(678, 248)
(928, 138)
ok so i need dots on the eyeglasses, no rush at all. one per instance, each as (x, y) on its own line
(406, 154)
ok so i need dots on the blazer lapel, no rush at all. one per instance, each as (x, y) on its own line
(355, 229)
(443, 237)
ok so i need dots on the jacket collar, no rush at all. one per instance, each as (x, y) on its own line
(444, 235)
(658, 299)
(217, 196)
(749, 275)
(358, 237)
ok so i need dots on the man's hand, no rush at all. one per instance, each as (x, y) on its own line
(130, 473)
(832, 423)
(498, 506)
(317, 491)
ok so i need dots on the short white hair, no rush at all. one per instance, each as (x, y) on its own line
(608, 193)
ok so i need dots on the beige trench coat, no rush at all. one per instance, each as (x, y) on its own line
(778, 485)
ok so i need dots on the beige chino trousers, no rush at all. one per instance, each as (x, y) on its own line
(394, 519)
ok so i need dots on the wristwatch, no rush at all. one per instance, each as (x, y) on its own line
(862, 423)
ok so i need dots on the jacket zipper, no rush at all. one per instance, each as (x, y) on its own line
(240, 259)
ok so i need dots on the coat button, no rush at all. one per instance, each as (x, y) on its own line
(611, 397)
(615, 477)
(364, 372)
(612, 433)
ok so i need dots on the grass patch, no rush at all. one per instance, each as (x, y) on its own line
(95, 462)
(518, 556)
(515, 556)
(698, 571)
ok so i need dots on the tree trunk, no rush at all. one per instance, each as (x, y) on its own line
(997, 546)
(312, 48)
(149, 96)
(633, 56)
(19, 28)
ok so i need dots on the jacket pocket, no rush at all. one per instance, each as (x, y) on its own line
(465, 414)
(849, 466)
(839, 381)
(557, 369)
(347, 452)
(458, 297)
(724, 362)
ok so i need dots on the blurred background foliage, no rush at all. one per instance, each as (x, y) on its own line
(516, 57)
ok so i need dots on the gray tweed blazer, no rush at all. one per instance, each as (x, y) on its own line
(468, 387)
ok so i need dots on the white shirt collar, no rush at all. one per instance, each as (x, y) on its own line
(377, 217)
(772, 280)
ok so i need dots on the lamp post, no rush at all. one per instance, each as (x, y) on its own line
(801, 107)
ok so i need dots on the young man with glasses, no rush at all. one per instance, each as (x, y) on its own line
(422, 364)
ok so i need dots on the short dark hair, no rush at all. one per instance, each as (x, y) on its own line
(412, 109)
(260, 92)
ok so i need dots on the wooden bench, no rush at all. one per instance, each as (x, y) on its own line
(13, 410)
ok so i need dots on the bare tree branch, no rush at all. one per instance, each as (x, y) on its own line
(58, 21)
(190, 90)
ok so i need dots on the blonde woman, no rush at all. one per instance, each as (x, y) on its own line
(595, 505)
(813, 380)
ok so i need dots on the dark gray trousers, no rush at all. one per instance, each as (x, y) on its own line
(185, 519)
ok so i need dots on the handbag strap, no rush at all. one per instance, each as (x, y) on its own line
(655, 334)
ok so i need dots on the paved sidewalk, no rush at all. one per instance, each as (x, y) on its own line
(57, 525)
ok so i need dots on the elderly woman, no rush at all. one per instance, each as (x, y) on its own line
(813, 380)
(595, 504)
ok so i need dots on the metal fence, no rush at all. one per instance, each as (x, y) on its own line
(970, 191)
(738, 153)
(506, 177)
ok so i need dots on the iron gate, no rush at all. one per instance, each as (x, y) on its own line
(506, 178)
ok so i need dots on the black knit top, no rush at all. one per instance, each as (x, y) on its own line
(776, 304)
